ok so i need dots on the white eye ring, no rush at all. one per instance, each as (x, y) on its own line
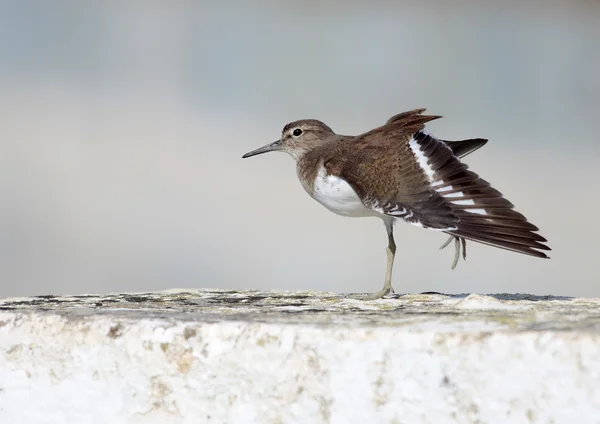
(297, 132)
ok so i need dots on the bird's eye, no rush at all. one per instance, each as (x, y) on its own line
(297, 132)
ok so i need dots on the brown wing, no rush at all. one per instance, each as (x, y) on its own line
(413, 120)
(380, 165)
(404, 172)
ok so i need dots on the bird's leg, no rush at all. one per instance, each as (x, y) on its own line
(391, 252)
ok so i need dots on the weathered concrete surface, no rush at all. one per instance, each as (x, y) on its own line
(242, 357)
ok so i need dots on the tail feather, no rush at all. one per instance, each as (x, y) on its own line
(463, 148)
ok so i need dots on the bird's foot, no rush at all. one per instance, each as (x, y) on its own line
(457, 248)
(380, 294)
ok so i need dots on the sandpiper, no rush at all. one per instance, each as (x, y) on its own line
(400, 171)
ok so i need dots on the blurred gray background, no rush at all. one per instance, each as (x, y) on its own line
(123, 125)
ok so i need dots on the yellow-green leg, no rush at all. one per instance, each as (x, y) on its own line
(391, 253)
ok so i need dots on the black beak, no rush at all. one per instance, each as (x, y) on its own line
(264, 149)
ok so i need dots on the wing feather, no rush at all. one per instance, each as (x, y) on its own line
(402, 171)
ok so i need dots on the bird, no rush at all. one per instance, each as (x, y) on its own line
(401, 172)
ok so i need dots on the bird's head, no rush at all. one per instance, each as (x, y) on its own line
(297, 138)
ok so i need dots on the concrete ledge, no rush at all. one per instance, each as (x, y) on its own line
(243, 357)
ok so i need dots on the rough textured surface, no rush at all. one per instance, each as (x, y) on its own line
(238, 357)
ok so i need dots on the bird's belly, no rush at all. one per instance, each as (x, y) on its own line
(338, 196)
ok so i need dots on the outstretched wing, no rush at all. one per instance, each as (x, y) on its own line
(484, 215)
(401, 171)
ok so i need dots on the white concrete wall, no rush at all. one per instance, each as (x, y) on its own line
(222, 357)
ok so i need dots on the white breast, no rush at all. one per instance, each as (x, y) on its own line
(338, 196)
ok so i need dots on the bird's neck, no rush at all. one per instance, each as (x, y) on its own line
(299, 152)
